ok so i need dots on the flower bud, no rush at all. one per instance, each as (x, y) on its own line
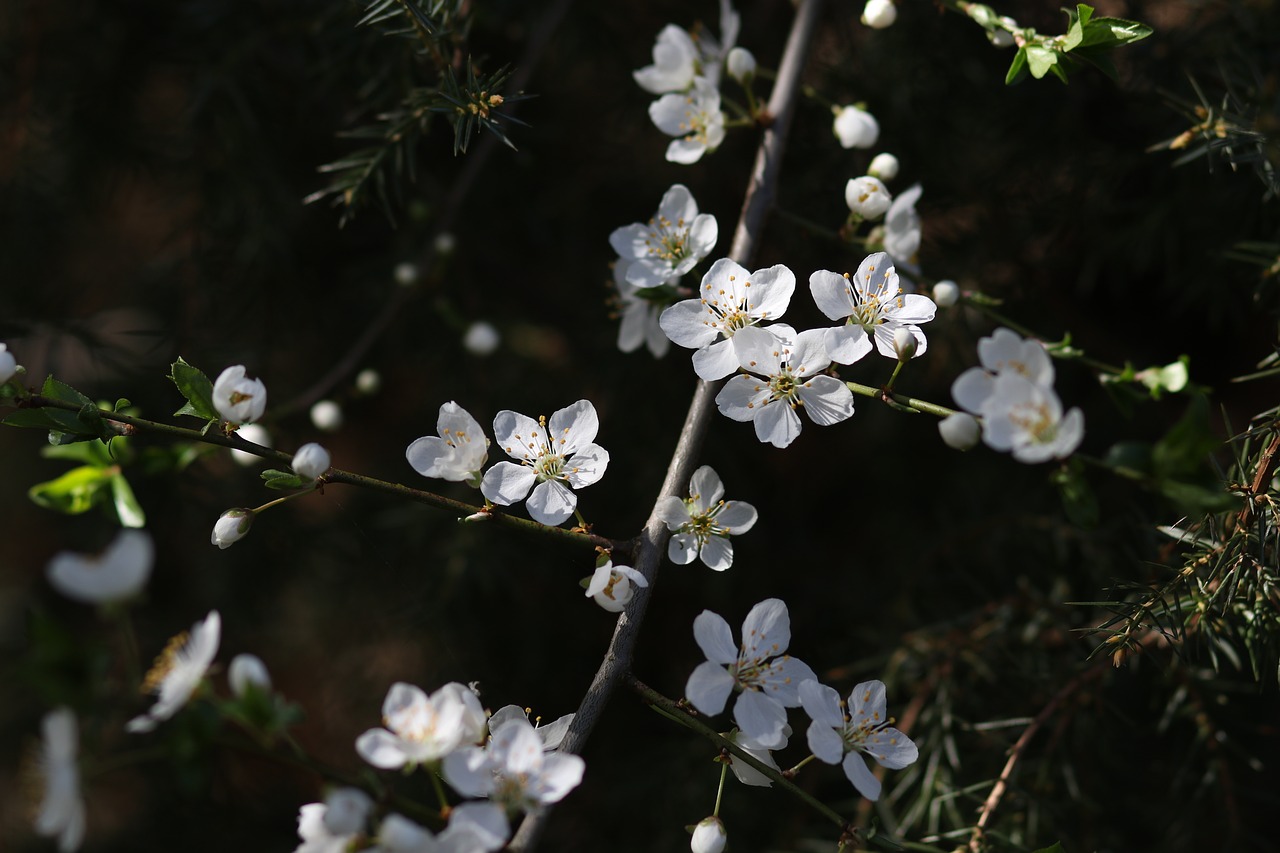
(368, 381)
(984, 16)
(742, 65)
(1002, 38)
(883, 166)
(867, 197)
(856, 128)
(8, 364)
(904, 344)
(709, 836)
(960, 431)
(406, 274)
(445, 244)
(879, 14)
(326, 416)
(946, 293)
(310, 461)
(239, 399)
(481, 338)
(248, 670)
(232, 526)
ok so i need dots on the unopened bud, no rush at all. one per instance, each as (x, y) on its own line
(879, 14)
(867, 196)
(406, 274)
(960, 431)
(904, 344)
(445, 243)
(232, 526)
(248, 670)
(855, 128)
(8, 364)
(742, 65)
(946, 293)
(709, 836)
(326, 416)
(481, 338)
(883, 166)
(368, 381)
(310, 461)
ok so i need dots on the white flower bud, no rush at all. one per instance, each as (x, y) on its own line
(709, 836)
(239, 399)
(867, 196)
(983, 15)
(406, 274)
(368, 381)
(481, 338)
(904, 344)
(246, 670)
(855, 128)
(1002, 38)
(232, 526)
(8, 364)
(883, 166)
(741, 64)
(445, 244)
(960, 431)
(879, 14)
(310, 461)
(326, 416)
(946, 293)
(255, 434)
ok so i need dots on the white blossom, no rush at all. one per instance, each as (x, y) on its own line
(702, 523)
(62, 813)
(254, 434)
(481, 338)
(641, 309)
(675, 57)
(879, 14)
(472, 828)
(551, 734)
(311, 461)
(960, 431)
(946, 293)
(747, 774)
(117, 574)
(334, 825)
(326, 416)
(232, 526)
(902, 230)
(855, 127)
(838, 734)
(551, 466)
(459, 451)
(709, 836)
(248, 672)
(694, 117)
(239, 399)
(872, 305)
(766, 679)
(741, 65)
(179, 671)
(868, 197)
(612, 586)
(670, 244)
(730, 299)
(513, 769)
(8, 364)
(422, 728)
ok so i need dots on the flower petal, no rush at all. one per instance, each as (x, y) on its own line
(737, 517)
(717, 554)
(822, 704)
(760, 718)
(382, 749)
(688, 324)
(827, 400)
(709, 687)
(507, 483)
(767, 629)
(705, 488)
(856, 769)
(825, 743)
(715, 638)
(891, 748)
(682, 549)
(551, 503)
(741, 397)
(777, 424)
(587, 465)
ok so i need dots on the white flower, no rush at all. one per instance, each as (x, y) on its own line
(946, 293)
(883, 166)
(787, 375)
(513, 769)
(551, 735)
(254, 434)
(551, 467)
(611, 586)
(310, 461)
(872, 304)
(406, 274)
(334, 825)
(879, 14)
(481, 338)
(62, 806)
(855, 128)
(445, 243)
(836, 736)
(422, 728)
(1026, 418)
(368, 381)
(703, 522)
(694, 117)
(708, 836)
(8, 364)
(766, 679)
(232, 526)
(902, 227)
(178, 671)
(641, 309)
(117, 574)
(959, 431)
(674, 58)
(670, 244)
(457, 454)
(238, 399)
(868, 197)
(1004, 351)
(731, 299)
(472, 828)
(248, 672)
(747, 774)
(326, 416)
(741, 65)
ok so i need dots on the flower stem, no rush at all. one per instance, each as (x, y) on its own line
(794, 770)
(902, 400)
(724, 771)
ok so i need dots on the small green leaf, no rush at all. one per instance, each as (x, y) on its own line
(74, 492)
(128, 510)
(122, 404)
(197, 388)
(87, 453)
(1017, 68)
(1040, 60)
(283, 480)
(55, 390)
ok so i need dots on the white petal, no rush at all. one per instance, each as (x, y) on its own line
(630, 243)
(825, 742)
(551, 503)
(717, 553)
(677, 205)
(520, 436)
(687, 323)
(771, 291)
(891, 748)
(847, 344)
(767, 629)
(672, 511)
(561, 773)
(742, 397)
(573, 427)
(822, 704)
(507, 483)
(587, 465)
(781, 680)
(827, 400)
(709, 687)
(685, 151)
(715, 638)
(705, 488)
(777, 424)
(867, 704)
(599, 580)
(716, 360)
(467, 771)
(831, 293)
(856, 769)
(760, 718)
(737, 517)
(682, 549)
(972, 389)
(382, 749)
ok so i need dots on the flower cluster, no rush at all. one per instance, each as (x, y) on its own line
(1013, 394)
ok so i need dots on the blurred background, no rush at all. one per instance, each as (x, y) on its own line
(153, 162)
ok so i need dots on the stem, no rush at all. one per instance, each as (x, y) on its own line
(724, 771)
(901, 399)
(761, 188)
(897, 368)
(794, 770)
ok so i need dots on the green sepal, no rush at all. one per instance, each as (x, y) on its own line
(283, 480)
(74, 492)
(198, 390)
(1017, 68)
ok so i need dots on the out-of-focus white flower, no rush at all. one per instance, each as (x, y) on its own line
(458, 454)
(611, 586)
(747, 774)
(326, 416)
(481, 338)
(246, 670)
(472, 828)
(232, 526)
(837, 735)
(641, 309)
(406, 274)
(178, 671)
(1001, 37)
(946, 293)
(670, 244)
(254, 434)
(513, 769)
(334, 825)
(960, 431)
(872, 305)
(1002, 351)
(422, 728)
(693, 117)
(368, 381)
(855, 127)
(883, 166)
(902, 230)
(8, 364)
(310, 461)
(709, 836)
(868, 197)
(742, 65)
(445, 243)
(61, 812)
(551, 465)
(551, 734)
(117, 574)
(674, 59)
(239, 399)
(879, 14)
(703, 522)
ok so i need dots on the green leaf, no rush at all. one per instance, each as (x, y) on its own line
(1113, 32)
(86, 452)
(74, 492)
(283, 480)
(128, 510)
(1018, 68)
(1076, 23)
(197, 388)
(64, 393)
(1040, 60)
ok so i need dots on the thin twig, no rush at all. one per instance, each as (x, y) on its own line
(757, 204)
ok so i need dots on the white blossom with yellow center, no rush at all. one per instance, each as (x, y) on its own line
(703, 522)
(457, 453)
(670, 244)
(840, 731)
(179, 670)
(422, 728)
(872, 305)
(694, 118)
